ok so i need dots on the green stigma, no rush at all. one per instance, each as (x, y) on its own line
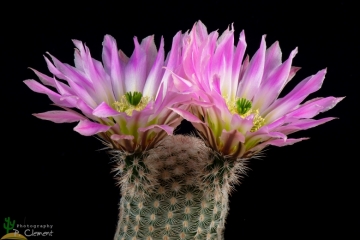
(243, 106)
(133, 98)
(131, 101)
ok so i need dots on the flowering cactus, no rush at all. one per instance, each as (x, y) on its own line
(124, 100)
(177, 187)
(245, 114)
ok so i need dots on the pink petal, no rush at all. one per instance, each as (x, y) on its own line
(230, 139)
(282, 106)
(236, 67)
(251, 81)
(55, 97)
(169, 130)
(173, 98)
(186, 115)
(94, 71)
(243, 125)
(274, 125)
(88, 128)
(222, 60)
(54, 70)
(100, 80)
(270, 90)
(117, 137)
(169, 100)
(314, 107)
(154, 78)
(180, 83)
(264, 136)
(172, 61)
(272, 59)
(123, 58)
(215, 84)
(292, 73)
(191, 58)
(80, 104)
(277, 142)
(75, 79)
(203, 69)
(104, 111)
(135, 71)
(149, 48)
(201, 30)
(71, 99)
(46, 80)
(198, 103)
(62, 88)
(159, 97)
(304, 124)
(243, 69)
(277, 135)
(69, 73)
(104, 77)
(60, 116)
(282, 142)
(83, 94)
(78, 60)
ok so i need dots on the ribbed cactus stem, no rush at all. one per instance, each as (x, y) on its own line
(178, 190)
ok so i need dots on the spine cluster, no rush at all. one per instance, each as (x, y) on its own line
(178, 190)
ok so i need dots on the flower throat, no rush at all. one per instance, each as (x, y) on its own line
(242, 106)
(131, 101)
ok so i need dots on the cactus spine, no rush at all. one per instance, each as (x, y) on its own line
(177, 190)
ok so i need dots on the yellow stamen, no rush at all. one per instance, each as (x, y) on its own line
(258, 121)
(124, 106)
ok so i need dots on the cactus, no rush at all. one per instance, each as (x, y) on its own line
(10, 225)
(177, 190)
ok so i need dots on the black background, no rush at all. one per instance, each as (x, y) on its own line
(52, 175)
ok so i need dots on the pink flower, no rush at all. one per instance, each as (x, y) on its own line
(123, 100)
(235, 104)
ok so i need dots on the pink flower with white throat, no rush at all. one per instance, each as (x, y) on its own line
(123, 100)
(235, 105)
